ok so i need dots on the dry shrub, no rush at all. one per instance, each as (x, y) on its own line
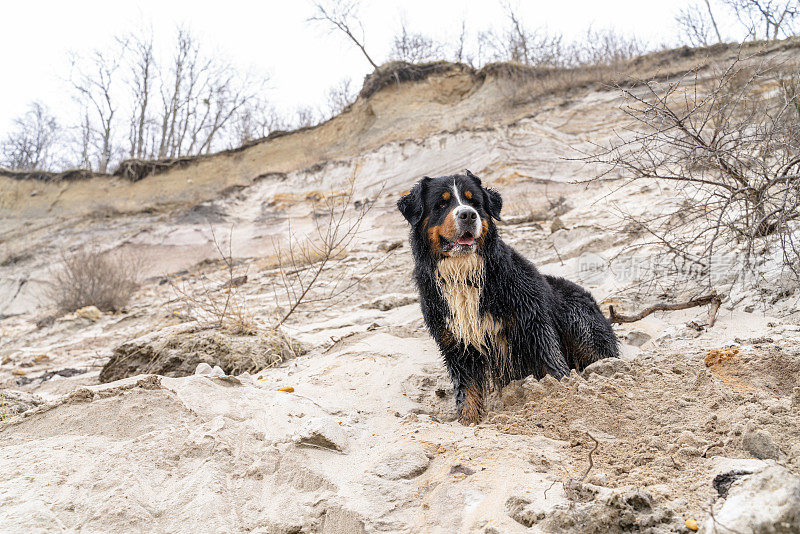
(91, 277)
(397, 72)
(307, 272)
(221, 305)
(729, 147)
(305, 267)
(522, 84)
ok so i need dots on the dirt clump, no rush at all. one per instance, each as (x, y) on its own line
(179, 352)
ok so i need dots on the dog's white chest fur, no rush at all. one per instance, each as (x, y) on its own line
(460, 281)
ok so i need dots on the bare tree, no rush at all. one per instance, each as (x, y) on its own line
(340, 96)
(732, 150)
(414, 47)
(602, 47)
(83, 141)
(459, 52)
(775, 18)
(94, 80)
(137, 105)
(342, 15)
(143, 77)
(32, 142)
(305, 116)
(694, 25)
(515, 42)
(255, 120)
(200, 95)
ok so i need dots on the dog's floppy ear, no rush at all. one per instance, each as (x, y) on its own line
(494, 202)
(411, 205)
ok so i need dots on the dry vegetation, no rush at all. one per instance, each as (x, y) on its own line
(218, 303)
(91, 277)
(728, 143)
(307, 260)
(307, 274)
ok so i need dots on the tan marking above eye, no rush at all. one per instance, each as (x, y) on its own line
(468, 194)
(446, 195)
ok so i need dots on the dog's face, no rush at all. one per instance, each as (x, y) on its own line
(454, 212)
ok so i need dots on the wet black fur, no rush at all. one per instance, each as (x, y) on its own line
(552, 324)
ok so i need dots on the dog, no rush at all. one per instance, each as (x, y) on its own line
(494, 317)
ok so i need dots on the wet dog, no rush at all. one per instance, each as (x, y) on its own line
(493, 315)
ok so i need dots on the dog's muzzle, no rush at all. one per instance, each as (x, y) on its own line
(468, 225)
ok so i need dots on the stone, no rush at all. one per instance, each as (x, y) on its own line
(760, 444)
(767, 502)
(89, 312)
(203, 369)
(402, 464)
(637, 338)
(391, 301)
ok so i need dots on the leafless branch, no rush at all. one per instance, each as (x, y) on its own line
(729, 150)
(32, 142)
(712, 299)
(343, 16)
(414, 47)
(306, 260)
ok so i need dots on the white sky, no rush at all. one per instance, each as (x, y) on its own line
(302, 59)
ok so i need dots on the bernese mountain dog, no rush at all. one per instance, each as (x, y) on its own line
(493, 315)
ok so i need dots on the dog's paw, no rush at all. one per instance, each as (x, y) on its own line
(469, 419)
(471, 411)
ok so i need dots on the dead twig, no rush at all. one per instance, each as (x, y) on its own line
(571, 485)
(549, 488)
(705, 452)
(711, 298)
(591, 461)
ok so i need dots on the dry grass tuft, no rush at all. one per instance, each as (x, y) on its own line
(397, 72)
(91, 277)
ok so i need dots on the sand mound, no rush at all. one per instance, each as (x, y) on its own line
(664, 420)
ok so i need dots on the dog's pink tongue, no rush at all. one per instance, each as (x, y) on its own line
(465, 240)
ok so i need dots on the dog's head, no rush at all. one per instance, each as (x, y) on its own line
(454, 212)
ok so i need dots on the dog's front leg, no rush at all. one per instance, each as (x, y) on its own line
(471, 408)
(468, 371)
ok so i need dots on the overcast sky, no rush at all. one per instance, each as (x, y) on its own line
(273, 37)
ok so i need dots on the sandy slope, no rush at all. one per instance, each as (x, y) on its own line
(367, 440)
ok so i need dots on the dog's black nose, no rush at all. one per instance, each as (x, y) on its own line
(468, 215)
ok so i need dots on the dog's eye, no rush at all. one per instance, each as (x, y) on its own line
(443, 203)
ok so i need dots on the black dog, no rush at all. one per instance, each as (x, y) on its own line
(493, 315)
